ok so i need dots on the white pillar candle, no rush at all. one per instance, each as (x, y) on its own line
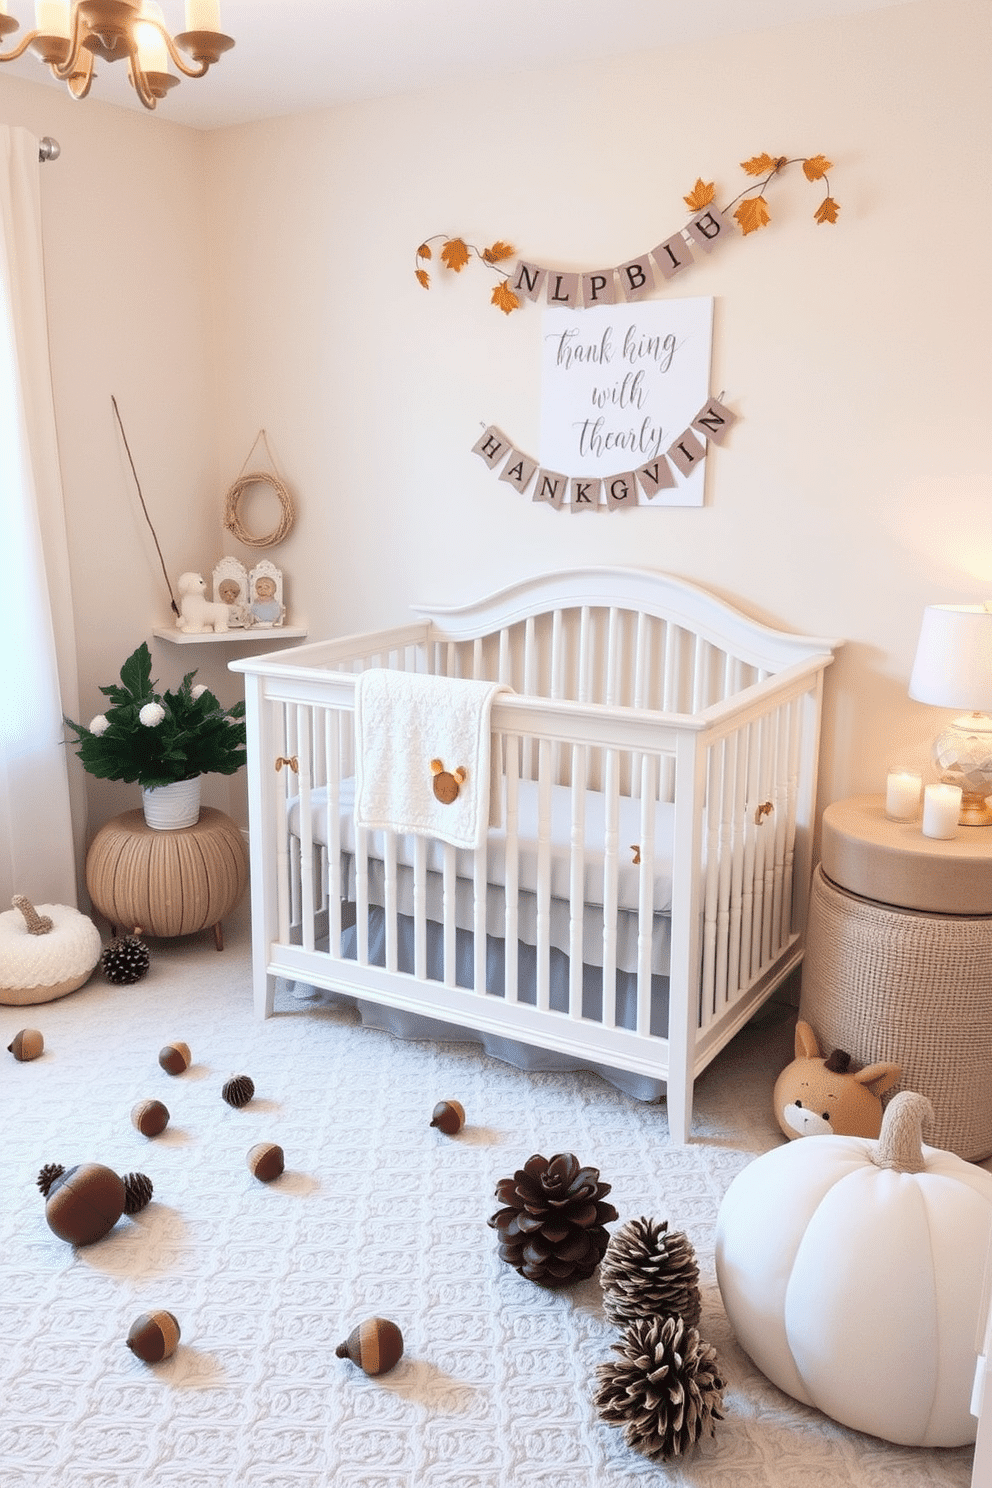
(902, 794)
(941, 809)
(202, 15)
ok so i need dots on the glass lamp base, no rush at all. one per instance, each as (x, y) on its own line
(963, 755)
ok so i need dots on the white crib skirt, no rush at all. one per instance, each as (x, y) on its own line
(524, 1056)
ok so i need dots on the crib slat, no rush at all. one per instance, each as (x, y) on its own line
(543, 882)
(420, 908)
(611, 849)
(511, 891)
(645, 892)
(576, 880)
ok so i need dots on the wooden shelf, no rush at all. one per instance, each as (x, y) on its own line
(250, 637)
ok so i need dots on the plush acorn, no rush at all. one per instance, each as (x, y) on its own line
(154, 1336)
(551, 1229)
(175, 1058)
(446, 783)
(375, 1345)
(239, 1090)
(82, 1204)
(266, 1160)
(150, 1117)
(126, 959)
(448, 1116)
(27, 1044)
(648, 1273)
(665, 1390)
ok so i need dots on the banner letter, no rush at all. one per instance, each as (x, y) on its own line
(655, 477)
(492, 446)
(519, 471)
(636, 278)
(585, 494)
(672, 255)
(620, 491)
(714, 421)
(563, 289)
(686, 453)
(529, 280)
(707, 228)
(597, 288)
(550, 487)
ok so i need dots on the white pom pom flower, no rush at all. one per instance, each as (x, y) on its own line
(100, 724)
(151, 715)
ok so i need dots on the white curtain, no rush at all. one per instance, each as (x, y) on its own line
(37, 653)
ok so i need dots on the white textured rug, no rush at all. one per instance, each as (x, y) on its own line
(377, 1214)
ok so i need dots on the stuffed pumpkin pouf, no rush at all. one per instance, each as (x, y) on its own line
(851, 1270)
(45, 953)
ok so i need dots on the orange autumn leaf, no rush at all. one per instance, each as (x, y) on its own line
(455, 254)
(827, 210)
(816, 167)
(424, 251)
(504, 299)
(752, 214)
(498, 252)
(700, 196)
(423, 278)
(760, 165)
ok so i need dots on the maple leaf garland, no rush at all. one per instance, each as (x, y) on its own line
(749, 212)
(752, 211)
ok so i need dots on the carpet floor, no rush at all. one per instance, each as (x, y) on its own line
(377, 1214)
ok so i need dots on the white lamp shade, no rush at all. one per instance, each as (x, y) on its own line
(953, 666)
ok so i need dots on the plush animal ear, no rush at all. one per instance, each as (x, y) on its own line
(806, 1045)
(879, 1077)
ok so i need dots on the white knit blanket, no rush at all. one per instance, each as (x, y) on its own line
(410, 728)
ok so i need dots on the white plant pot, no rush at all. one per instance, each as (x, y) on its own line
(169, 807)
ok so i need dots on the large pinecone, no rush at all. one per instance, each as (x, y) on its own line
(551, 1229)
(648, 1273)
(666, 1389)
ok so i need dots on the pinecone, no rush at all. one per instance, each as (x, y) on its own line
(551, 1229)
(137, 1192)
(647, 1273)
(125, 960)
(666, 1389)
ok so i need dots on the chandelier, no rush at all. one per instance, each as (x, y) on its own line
(70, 34)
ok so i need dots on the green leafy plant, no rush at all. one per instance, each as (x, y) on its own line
(157, 738)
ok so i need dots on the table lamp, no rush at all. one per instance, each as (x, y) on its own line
(953, 669)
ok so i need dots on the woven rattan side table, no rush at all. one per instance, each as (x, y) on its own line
(169, 883)
(898, 963)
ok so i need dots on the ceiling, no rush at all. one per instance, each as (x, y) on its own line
(294, 55)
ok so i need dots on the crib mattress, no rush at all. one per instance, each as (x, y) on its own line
(629, 826)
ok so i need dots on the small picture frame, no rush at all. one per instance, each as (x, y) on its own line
(265, 605)
(231, 588)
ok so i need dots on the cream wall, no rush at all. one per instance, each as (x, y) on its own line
(263, 277)
(855, 488)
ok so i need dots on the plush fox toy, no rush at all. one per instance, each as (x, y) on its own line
(815, 1096)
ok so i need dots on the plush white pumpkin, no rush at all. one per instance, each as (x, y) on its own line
(45, 952)
(851, 1270)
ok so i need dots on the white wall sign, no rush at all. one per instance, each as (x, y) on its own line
(620, 386)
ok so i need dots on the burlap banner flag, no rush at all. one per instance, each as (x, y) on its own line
(624, 282)
(617, 492)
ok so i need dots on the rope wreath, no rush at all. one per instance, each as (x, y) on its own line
(232, 516)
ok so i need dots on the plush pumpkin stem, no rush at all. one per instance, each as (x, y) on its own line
(900, 1142)
(37, 924)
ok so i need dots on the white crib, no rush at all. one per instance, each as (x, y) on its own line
(646, 889)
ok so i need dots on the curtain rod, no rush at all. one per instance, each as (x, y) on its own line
(48, 149)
